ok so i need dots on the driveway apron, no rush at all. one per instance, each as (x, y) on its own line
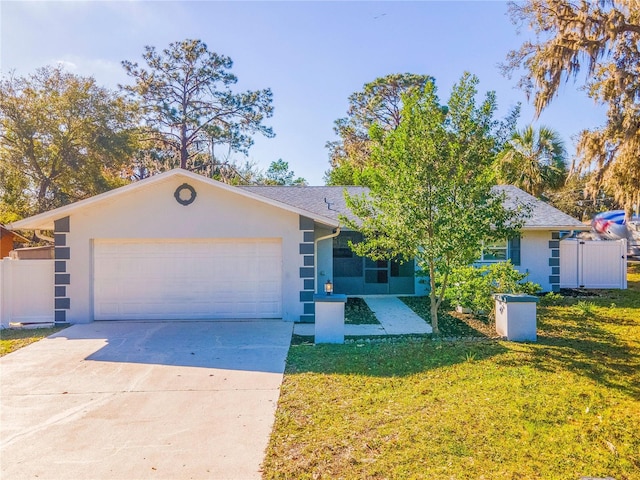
(125, 400)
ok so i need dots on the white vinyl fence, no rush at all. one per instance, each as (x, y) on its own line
(593, 264)
(26, 291)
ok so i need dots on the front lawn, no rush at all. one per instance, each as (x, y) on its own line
(565, 407)
(13, 339)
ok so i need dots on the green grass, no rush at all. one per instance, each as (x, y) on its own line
(13, 339)
(357, 312)
(564, 407)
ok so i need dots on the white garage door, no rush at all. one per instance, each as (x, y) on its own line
(187, 279)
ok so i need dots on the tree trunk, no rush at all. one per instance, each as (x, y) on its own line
(184, 153)
(434, 313)
(42, 195)
(433, 297)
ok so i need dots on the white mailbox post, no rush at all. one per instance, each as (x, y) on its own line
(516, 316)
(330, 318)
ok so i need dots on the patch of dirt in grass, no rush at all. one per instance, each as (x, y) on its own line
(357, 312)
(578, 292)
(466, 322)
(452, 323)
(302, 339)
(12, 339)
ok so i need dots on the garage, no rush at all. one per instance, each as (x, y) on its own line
(148, 251)
(186, 279)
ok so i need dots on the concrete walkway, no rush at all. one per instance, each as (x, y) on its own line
(393, 314)
(156, 400)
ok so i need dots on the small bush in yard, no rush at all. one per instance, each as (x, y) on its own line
(551, 299)
(473, 287)
(584, 308)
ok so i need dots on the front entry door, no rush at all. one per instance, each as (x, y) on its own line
(376, 276)
(388, 276)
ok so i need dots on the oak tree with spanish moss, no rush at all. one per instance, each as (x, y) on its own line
(600, 39)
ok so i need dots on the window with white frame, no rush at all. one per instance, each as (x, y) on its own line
(495, 251)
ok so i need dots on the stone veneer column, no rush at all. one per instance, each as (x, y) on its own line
(307, 271)
(554, 261)
(62, 279)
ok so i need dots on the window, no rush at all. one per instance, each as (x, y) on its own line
(399, 269)
(376, 276)
(494, 251)
(341, 248)
(345, 262)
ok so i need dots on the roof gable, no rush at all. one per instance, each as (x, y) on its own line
(16, 237)
(45, 220)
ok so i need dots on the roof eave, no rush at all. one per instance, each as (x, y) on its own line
(16, 236)
(556, 227)
(45, 220)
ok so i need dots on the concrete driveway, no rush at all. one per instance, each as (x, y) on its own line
(137, 400)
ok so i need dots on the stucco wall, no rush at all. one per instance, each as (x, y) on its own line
(153, 212)
(324, 256)
(535, 255)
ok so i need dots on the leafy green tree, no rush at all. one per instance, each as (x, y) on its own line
(572, 199)
(62, 138)
(188, 106)
(533, 160)
(379, 102)
(278, 173)
(597, 41)
(431, 194)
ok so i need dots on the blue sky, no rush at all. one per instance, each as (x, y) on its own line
(312, 55)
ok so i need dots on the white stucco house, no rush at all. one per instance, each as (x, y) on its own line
(181, 246)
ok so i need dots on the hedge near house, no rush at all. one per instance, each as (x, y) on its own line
(473, 287)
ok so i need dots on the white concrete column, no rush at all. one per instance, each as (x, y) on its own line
(329, 318)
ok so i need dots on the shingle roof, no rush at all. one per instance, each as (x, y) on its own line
(329, 202)
(543, 215)
(324, 201)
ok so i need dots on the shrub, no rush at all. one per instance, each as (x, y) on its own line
(584, 308)
(473, 287)
(551, 299)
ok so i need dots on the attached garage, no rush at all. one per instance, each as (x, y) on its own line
(184, 279)
(180, 246)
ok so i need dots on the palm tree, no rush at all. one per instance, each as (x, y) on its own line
(533, 160)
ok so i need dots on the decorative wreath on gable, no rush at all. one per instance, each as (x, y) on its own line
(185, 200)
